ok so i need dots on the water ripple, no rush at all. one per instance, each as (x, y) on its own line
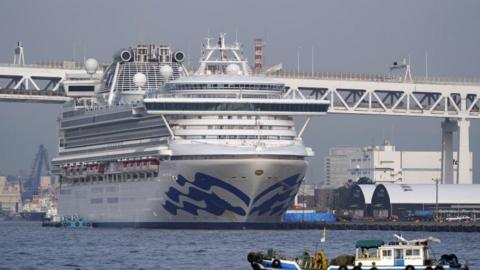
(32, 247)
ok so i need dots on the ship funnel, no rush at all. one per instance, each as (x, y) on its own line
(126, 56)
(178, 57)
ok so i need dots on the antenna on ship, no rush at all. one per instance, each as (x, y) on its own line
(219, 63)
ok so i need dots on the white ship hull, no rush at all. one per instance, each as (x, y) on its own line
(158, 147)
(191, 193)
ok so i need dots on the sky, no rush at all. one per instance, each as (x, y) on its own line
(346, 36)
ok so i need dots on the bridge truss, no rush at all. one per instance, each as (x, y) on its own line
(455, 101)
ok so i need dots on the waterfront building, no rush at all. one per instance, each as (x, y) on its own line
(385, 164)
(10, 198)
(402, 201)
(337, 164)
(359, 201)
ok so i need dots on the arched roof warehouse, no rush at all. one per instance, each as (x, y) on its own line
(426, 194)
(367, 191)
(360, 196)
(359, 200)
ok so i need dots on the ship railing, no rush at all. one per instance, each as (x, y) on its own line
(94, 108)
(227, 96)
(242, 142)
(342, 76)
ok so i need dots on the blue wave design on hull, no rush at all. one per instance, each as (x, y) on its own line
(279, 202)
(199, 191)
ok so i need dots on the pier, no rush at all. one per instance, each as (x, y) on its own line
(384, 226)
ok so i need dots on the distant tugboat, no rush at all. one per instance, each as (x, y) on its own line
(369, 254)
(40, 207)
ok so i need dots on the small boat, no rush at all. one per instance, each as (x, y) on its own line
(273, 261)
(73, 222)
(369, 254)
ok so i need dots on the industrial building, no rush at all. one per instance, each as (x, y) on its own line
(384, 164)
(337, 164)
(400, 201)
(359, 201)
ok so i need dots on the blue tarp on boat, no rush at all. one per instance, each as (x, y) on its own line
(308, 217)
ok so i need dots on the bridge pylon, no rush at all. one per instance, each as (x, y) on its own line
(463, 158)
(464, 173)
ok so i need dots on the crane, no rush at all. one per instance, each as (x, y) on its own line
(31, 186)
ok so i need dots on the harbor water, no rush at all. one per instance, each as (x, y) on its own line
(27, 245)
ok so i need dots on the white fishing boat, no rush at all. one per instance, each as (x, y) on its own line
(402, 254)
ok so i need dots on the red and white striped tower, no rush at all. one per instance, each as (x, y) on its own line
(258, 53)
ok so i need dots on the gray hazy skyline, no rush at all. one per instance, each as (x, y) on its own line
(347, 36)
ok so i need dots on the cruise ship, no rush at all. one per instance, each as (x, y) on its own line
(153, 145)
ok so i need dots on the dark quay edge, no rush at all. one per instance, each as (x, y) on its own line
(355, 225)
(385, 226)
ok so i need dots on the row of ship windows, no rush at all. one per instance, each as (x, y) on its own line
(154, 141)
(111, 178)
(113, 131)
(218, 106)
(95, 141)
(111, 127)
(247, 117)
(203, 157)
(237, 127)
(124, 114)
(191, 86)
(222, 95)
(95, 119)
(237, 137)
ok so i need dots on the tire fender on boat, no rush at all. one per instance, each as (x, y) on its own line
(276, 263)
(251, 257)
(409, 267)
(343, 267)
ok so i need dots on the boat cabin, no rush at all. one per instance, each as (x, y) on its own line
(403, 253)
